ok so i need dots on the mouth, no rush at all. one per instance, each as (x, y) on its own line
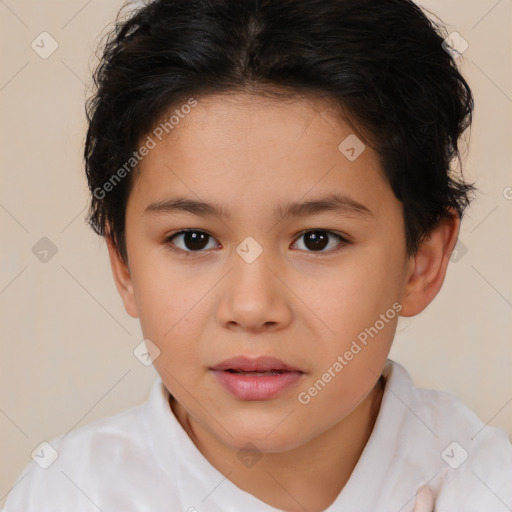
(262, 364)
(259, 378)
(257, 373)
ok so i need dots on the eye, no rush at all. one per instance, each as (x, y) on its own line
(192, 240)
(317, 240)
(196, 241)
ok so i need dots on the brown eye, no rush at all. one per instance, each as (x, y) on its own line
(318, 240)
(190, 240)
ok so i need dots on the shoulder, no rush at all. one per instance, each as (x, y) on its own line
(71, 470)
(470, 462)
(478, 458)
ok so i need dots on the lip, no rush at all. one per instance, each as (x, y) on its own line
(254, 364)
(279, 376)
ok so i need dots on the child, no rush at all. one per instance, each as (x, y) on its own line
(223, 136)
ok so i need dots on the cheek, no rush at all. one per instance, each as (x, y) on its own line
(333, 395)
(355, 294)
(167, 299)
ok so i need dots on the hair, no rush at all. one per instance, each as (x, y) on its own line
(384, 64)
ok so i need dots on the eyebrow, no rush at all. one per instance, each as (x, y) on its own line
(341, 204)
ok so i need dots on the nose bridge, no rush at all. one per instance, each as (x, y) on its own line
(251, 270)
(254, 296)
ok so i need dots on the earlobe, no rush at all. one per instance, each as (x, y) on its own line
(427, 269)
(122, 278)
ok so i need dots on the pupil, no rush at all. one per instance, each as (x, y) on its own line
(317, 240)
(195, 240)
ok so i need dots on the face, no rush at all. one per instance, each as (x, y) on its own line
(304, 256)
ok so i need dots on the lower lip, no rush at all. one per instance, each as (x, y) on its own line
(256, 387)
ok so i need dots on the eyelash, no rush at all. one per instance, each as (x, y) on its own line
(168, 242)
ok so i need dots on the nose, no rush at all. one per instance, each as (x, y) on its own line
(254, 297)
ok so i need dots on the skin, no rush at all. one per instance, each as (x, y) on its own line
(302, 306)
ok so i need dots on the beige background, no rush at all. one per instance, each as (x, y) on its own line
(66, 341)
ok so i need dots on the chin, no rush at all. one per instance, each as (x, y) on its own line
(262, 436)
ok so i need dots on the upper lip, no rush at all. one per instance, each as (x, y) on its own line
(254, 364)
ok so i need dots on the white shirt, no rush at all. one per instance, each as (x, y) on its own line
(142, 460)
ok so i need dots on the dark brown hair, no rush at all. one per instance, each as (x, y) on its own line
(383, 62)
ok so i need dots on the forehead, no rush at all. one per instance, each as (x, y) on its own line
(240, 115)
(243, 148)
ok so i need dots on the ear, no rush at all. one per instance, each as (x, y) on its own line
(427, 269)
(122, 278)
